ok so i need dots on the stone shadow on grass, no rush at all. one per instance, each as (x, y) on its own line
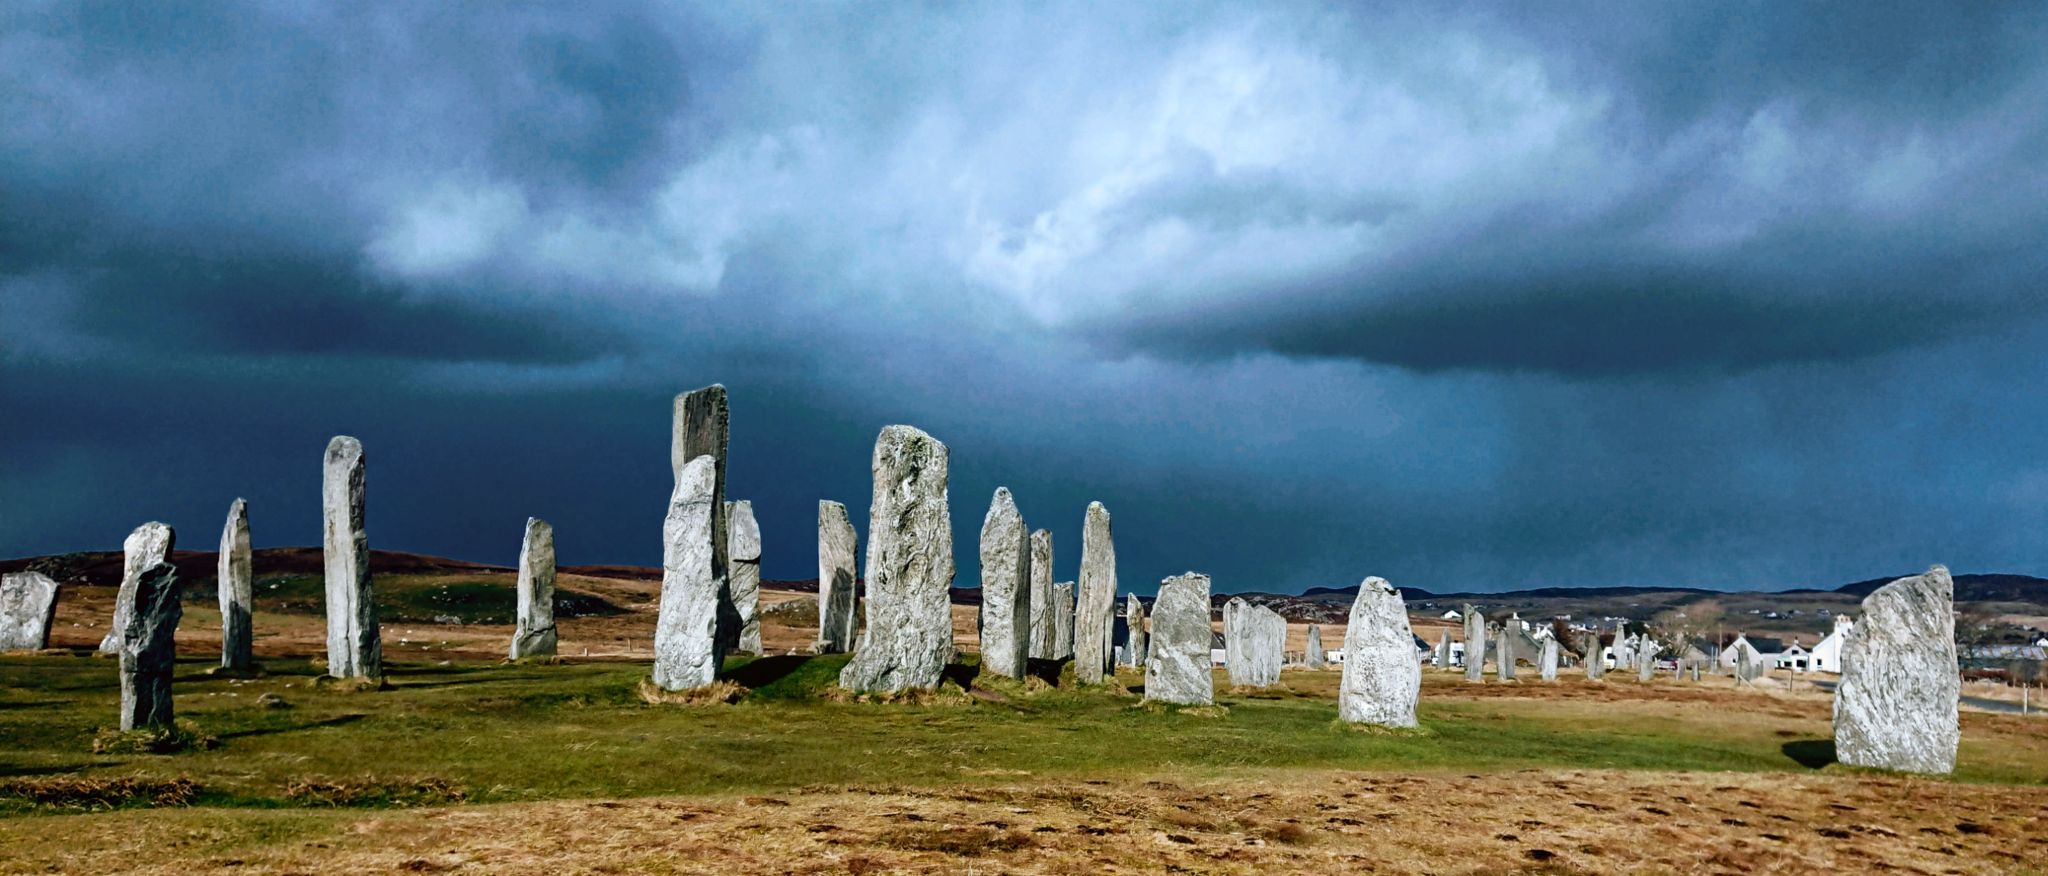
(960, 674)
(764, 671)
(1045, 670)
(335, 721)
(1810, 753)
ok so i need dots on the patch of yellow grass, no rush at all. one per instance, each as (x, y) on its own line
(717, 693)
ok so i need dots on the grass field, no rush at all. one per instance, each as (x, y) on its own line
(521, 747)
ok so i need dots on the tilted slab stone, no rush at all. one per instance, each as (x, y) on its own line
(28, 605)
(235, 580)
(1134, 631)
(1095, 603)
(1005, 588)
(1475, 644)
(837, 593)
(909, 633)
(1043, 635)
(1382, 677)
(148, 545)
(1313, 655)
(1895, 708)
(354, 648)
(688, 650)
(1063, 620)
(743, 561)
(148, 647)
(1547, 664)
(1177, 663)
(700, 424)
(533, 630)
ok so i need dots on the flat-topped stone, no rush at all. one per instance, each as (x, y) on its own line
(1177, 662)
(28, 605)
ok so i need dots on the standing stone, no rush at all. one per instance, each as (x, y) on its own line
(1177, 667)
(1005, 588)
(1313, 656)
(836, 591)
(1646, 658)
(688, 650)
(1475, 644)
(1382, 678)
(147, 546)
(148, 647)
(1095, 604)
(1548, 664)
(1624, 647)
(699, 426)
(1895, 708)
(743, 558)
(1443, 650)
(354, 649)
(1063, 620)
(1595, 661)
(1134, 631)
(909, 633)
(1254, 641)
(28, 605)
(234, 577)
(533, 632)
(1043, 635)
(1504, 655)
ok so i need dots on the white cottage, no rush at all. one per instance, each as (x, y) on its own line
(1827, 656)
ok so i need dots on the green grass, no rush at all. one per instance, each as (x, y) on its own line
(520, 732)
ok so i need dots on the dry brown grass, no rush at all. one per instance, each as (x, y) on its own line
(100, 792)
(717, 693)
(371, 791)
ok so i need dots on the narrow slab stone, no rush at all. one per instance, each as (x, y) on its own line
(148, 545)
(28, 605)
(1313, 656)
(1005, 588)
(1646, 658)
(1254, 642)
(354, 649)
(1895, 708)
(1547, 665)
(148, 647)
(1043, 635)
(1504, 656)
(236, 585)
(1063, 620)
(1095, 604)
(533, 631)
(1595, 660)
(837, 593)
(700, 426)
(688, 651)
(1443, 650)
(1475, 644)
(1134, 631)
(909, 633)
(743, 559)
(1177, 664)
(1382, 678)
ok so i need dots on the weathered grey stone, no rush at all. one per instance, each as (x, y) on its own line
(909, 633)
(688, 650)
(1504, 654)
(1134, 631)
(1005, 588)
(1475, 644)
(1624, 648)
(1547, 665)
(699, 426)
(1895, 708)
(1043, 634)
(837, 594)
(1254, 642)
(1095, 603)
(743, 560)
(1646, 658)
(1382, 677)
(28, 604)
(1313, 656)
(236, 584)
(1595, 662)
(147, 546)
(354, 649)
(148, 646)
(1177, 664)
(1063, 620)
(533, 630)
(1443, 649)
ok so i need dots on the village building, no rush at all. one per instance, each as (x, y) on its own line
(1827, 655)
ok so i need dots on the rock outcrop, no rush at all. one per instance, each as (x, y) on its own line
(909, 632)
(533, 630)
(354, 648)
(1382, 677)
(1177, 664)
(1895, 708)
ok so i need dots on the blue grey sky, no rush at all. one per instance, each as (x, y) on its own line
(1478, 296)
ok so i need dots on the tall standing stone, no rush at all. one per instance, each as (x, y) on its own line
(1254, 641)
(1547, 665)
(1382, 678)
(1043, 636)
(1177, 664)
(147, 546)
(354, 649)
(1134, 631)
(28, 605)
(1475, 644)
(1443, 649)
(1595, 660)
(1895, 708)
(699, 427)
(237, 586)
(1005, 588)
(837, 594)
(909, 631)
(1504, 655)
(1063, 620)
(688, 650)
(533, 631)
(1312, 652)
(1646, 658)
(1095, 604)
(743, 560)
(148, 647)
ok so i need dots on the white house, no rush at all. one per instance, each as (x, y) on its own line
(1453, 614)
(1827, 656)
(1732, 655)
(1795, 658)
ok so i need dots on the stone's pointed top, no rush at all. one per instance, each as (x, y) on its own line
(1003, 505)
(1097, 508)
(1041, 533)
(532, 522)
(1376, 583)
(342, 446)
(238, 506)
(826, 506)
